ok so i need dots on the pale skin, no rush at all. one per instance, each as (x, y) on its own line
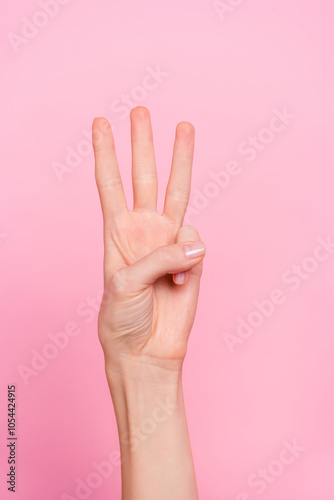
(150, 297)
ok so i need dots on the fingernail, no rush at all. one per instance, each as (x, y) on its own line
(195, 249)
(179, 277)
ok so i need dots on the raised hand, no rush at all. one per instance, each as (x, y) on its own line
(151, 286)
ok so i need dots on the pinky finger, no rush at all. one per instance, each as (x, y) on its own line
(182, 277)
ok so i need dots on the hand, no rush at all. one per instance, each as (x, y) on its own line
(150, 287)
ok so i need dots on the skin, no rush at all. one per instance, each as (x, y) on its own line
(150, 297)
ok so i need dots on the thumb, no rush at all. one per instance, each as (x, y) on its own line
(187, 233)
(169, 259)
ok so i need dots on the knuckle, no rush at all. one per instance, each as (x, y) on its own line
(118, 281)
(190, 232)
(107, 183)
(181, 195)
(190, 227)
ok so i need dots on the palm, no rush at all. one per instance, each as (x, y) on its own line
(145, 322)
(139, 233)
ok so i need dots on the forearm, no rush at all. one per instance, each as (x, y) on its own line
(156, 455)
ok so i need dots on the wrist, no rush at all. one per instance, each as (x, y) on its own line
(143, 371)
(146, 397)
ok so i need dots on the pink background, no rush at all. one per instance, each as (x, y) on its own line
(226, 74)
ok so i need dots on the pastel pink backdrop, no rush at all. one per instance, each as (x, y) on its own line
(227, 70)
